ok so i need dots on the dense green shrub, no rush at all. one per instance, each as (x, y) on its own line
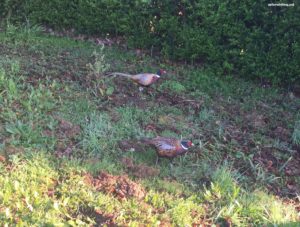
(246, 38)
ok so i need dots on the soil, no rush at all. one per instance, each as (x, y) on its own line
(66, 134)
(139, 170)
(120, 186)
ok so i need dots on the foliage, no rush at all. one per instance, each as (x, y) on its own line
(99, 66)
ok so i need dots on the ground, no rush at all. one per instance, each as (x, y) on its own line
(70, 149)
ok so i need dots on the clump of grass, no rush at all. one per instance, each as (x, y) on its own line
(205, 115)
(24, 133)
(183, 212)
(224, 185)
(296, 133)
(171, 187)
(129, 125)
(24, 107)
(10, 83)
(172, 86)
(261, 175)
(186, 212)
(261, 207)
(98, 134)
(207, 81)
(101, 136)
(23, 193)
(22, 34)
(240, 206)
(158, 200)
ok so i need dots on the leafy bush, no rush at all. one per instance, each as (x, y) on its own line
(253, 40)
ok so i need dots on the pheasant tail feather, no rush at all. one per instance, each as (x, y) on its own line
(120, 74)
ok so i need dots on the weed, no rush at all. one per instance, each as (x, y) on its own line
(98, 134)
(271, 209)
(23, 34)
(205, 114)
(100, 66)
(186, 212)
(296, 133)
(223, 188)
(262, 176)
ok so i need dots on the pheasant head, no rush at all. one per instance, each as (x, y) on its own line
(161, 72)
(154, 77)
(186, 144)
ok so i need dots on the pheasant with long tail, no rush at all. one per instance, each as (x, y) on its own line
(143, 79)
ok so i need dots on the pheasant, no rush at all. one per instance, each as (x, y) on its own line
(143, 79)
(168, 147)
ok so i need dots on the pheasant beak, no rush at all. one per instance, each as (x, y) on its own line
(190, 144)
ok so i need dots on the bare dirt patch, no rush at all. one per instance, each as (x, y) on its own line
(281, 133)
(179, 101)
(139, 170)
(130, 145)
(66, 129)
(120, 186)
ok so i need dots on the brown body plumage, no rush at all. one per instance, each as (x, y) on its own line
(169, 147)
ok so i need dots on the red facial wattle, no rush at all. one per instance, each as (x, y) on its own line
(161, 72)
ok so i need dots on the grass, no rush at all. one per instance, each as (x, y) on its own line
(62, 124)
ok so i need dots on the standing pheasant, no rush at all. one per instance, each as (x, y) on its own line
(169, 147)
(143, 79)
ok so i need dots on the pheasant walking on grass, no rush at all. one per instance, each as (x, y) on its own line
(143, 79)
(168, 147)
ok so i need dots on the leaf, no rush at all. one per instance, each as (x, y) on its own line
(110, 90)
(101, 91)
(11, 129)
